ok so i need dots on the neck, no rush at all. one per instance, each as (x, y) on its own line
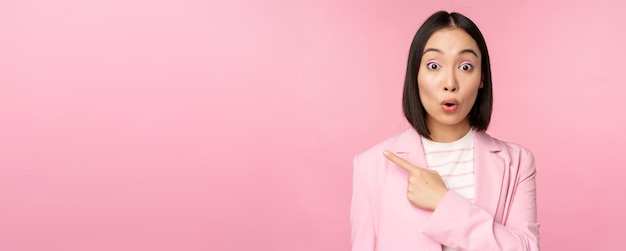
(448, 133)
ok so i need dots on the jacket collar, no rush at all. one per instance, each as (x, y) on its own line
(488, 165)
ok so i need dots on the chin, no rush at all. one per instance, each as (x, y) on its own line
(451, 121)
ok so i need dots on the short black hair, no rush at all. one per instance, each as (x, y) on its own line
(480, 114)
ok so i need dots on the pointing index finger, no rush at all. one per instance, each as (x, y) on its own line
(399, 161)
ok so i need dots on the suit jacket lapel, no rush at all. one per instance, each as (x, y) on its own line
(409, 146)
(489, 172)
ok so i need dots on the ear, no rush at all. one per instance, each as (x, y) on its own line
(481, 85)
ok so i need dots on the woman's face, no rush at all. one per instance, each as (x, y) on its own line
(449, 77)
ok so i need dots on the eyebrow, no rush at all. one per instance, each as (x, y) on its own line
(461, 52)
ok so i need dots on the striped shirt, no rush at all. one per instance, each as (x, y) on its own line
(455, 163)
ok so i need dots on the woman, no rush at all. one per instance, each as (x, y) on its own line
(444, 183)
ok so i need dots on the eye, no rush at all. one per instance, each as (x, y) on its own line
(433, 66)
(466, 67)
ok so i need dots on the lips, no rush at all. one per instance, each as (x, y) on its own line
(449, 105)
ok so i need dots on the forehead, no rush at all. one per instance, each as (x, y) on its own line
(451, 41)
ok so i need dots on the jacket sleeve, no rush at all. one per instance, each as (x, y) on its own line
(362, 225)
(458, 224)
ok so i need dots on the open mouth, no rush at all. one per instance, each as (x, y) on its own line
(449, 105)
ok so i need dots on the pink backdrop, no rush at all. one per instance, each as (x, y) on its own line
(231, 125)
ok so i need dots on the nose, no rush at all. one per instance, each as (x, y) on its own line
(450, 84)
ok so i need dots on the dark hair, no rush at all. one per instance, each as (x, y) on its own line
(480, 114)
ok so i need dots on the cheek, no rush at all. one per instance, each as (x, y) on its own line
(427, 87)
(472, 91)
(472, 83)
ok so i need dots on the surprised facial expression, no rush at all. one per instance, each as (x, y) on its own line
(449, 77)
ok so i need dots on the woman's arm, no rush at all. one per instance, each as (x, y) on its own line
(461, 225)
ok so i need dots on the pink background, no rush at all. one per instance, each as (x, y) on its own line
(231, 125)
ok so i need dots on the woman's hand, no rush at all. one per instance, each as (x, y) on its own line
(426, 188)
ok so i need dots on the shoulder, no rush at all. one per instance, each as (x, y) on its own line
(369, 165)
(507, 146)
(517, 154)
(372, 163)
(391, 143)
